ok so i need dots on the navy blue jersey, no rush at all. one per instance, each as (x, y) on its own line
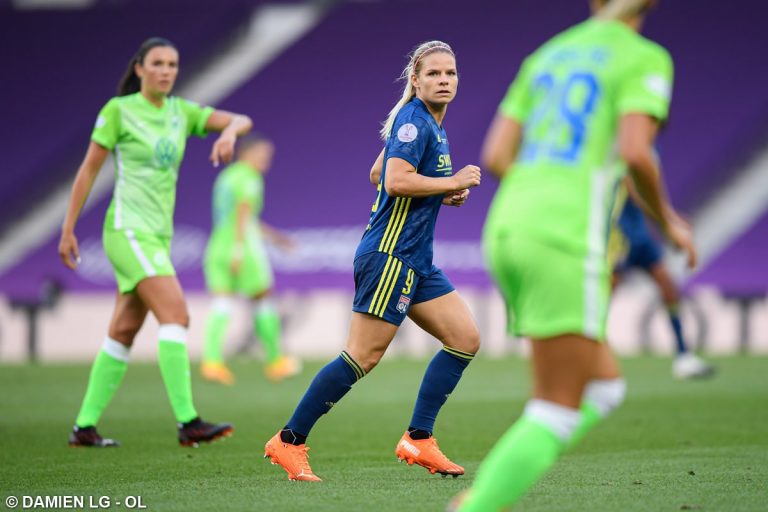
(405, 226)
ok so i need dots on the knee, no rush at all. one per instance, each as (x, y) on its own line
(177, 315)
(183, 318)
(124, 338)
(466, 340)
(670, 296)
(368, 359)
(124, 332)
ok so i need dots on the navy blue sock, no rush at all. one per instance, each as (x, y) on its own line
(440, 379)
(328, 387)
(677, 328)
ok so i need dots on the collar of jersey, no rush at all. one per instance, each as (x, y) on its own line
(422, 106)
(151, 105)
(615, 25)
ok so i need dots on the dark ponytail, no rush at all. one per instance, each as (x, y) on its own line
(131, 83)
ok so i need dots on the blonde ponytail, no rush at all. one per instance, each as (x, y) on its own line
(414, 60)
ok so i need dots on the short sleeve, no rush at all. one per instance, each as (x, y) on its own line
(647, 86)
(247, 189)
(196, 116)
(107, 129)
(408, 140)
(518, 102)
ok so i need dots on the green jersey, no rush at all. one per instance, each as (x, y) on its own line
(148, 145)
(569, 96)
(235, 185)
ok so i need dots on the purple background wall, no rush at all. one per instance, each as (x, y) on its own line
(323, 99)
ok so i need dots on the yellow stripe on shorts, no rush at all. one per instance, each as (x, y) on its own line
(392, 282)
(381, 283)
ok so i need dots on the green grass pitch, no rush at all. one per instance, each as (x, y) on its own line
(672, 446)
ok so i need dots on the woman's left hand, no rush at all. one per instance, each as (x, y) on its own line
(457, 198)
(223, 149)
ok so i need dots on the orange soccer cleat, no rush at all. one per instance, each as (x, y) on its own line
(426, 454)
(293, 458)
(217, 372)
(282, 368)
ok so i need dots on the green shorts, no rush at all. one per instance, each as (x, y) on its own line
(548, 291)
(135, 256)
(254, 277)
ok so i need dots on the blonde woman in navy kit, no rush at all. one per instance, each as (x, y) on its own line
(394, 274)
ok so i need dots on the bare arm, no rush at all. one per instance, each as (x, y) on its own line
(81, 188)
(231, 127)
(635, 196)
(501, 145)
(378, 165)
(636, 135)
(402, 180)
(277, 237)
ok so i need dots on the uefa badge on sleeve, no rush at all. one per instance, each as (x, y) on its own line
(407, 133)
(403, 303)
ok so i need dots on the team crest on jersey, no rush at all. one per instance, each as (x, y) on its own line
(160, 258)
(165, 152)
(403, 303)
(407, 133)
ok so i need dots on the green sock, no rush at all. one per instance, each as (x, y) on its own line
(590, 416)
(266, 322)
(601, 397)
(216, 326)
(106, 375)
(174, 366)
(519, 459)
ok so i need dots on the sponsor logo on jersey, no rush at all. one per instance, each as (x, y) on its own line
(444, 164)
(403, 303)
(407, 133)
(100, 121)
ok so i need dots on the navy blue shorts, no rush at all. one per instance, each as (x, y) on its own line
(386, 286)
(645, 255)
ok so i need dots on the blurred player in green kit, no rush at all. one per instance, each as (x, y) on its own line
(145, 128)
(583, 111)
(236, 263)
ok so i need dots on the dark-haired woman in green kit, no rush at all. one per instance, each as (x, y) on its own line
(145, 128)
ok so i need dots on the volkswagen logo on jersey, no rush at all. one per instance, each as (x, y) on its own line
(165, 152)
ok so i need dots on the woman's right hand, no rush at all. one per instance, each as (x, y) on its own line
(68, 249)
(680, 234)
(467, 177)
